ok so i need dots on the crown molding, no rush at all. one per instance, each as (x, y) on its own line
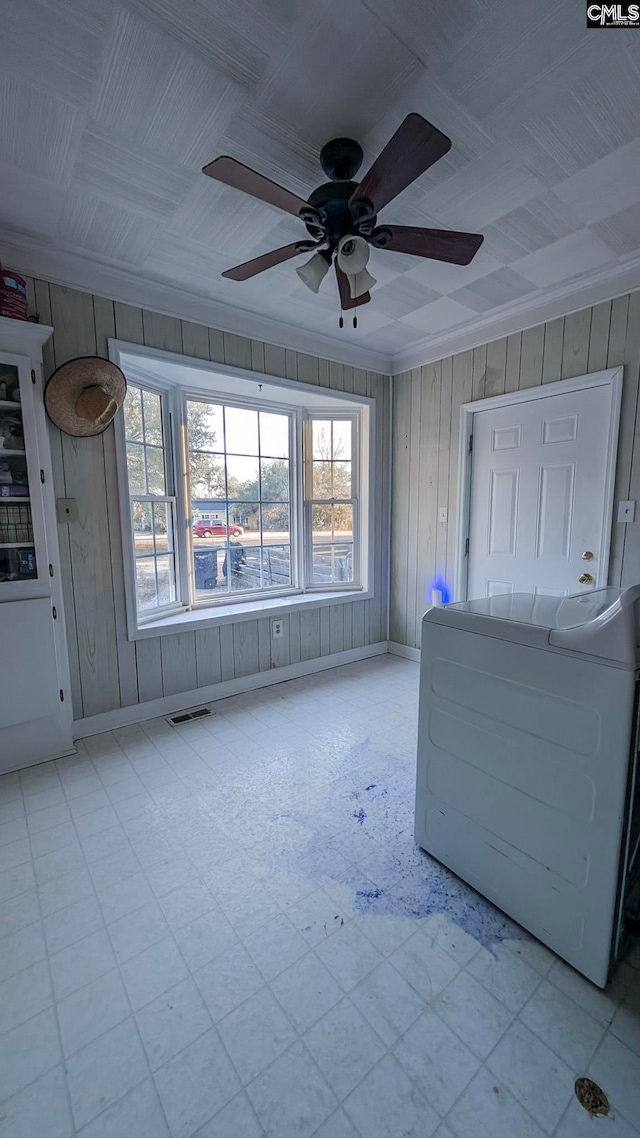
(114, 283)
(73, 271)
(604, 284)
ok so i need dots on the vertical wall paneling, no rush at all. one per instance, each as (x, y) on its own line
(524, 364)
(599, 336)
(575, 344)
(178, 658)
(84, 477)
(402, 389)
(427, 448)
(616, 353)
(208, 667)
(413, 492)
(627, 537)
(496, 374)
(125, 649)
(552, 355)
(107, 670)
(149, 665)
(461, 393)
(195, 340)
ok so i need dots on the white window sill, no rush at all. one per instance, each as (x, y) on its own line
(251, 610)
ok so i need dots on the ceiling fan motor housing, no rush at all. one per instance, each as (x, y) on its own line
(335, 217)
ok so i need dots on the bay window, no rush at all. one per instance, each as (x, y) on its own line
(232, 500)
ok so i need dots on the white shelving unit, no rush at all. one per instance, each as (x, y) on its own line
(35, 697)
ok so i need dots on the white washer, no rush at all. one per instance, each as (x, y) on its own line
(527, 755)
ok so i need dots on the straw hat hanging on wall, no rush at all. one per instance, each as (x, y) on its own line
(83, 395)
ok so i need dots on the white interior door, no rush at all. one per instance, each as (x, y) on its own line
(540, 497)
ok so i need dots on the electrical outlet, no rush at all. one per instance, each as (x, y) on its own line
(277, 629)
(67, 510)
(442, 515)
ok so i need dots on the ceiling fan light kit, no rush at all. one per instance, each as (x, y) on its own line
(341, 215)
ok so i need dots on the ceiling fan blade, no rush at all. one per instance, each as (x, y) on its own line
(346, 299)
(438, 244)
(414, 147)
(269, 260)
(241, 177)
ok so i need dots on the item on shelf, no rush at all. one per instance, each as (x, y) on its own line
(9, 383)
(11, 437)
(13, 295)
(83, 395)
(12, 490)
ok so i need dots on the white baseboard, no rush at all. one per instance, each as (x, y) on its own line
(403, 650)
(167, 705)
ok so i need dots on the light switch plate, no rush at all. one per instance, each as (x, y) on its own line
(626, 511)
(67, 510)
(442, 515)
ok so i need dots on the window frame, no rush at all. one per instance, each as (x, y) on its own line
(309, 501)
(233, 607)
(126, 496)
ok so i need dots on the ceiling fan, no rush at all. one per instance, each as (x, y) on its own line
(341, 215)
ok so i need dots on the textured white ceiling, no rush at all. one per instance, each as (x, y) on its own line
(109, 110)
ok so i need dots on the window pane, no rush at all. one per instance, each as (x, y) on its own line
(342, 439)
(232, 489)
(135, 469)
(241, 428)
(133, 413)
(322, 438)
(152, 418)
(205, 426)
(242, 477)
(276, 566)
(342, 480)
(322, 480)
(332, 544)
(166, 581)
(274, 435)
(146, 591)
(275, 523)
(155, 470)
(276, 550)
(162, 527)
(207, 567)
(142, 528)
(275, 480)
(244, 522)
(207, 475)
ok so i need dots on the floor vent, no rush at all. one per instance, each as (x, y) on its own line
(187, 716)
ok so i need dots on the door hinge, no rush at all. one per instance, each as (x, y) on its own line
(61, 696)
(42, 475)
(50, 569)
(33, 376)
(470, 444)
(55, 612)
(466, 547)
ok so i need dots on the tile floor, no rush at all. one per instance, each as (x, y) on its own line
(224, 931)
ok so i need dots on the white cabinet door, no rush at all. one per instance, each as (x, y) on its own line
(34, 723)
(538, 486)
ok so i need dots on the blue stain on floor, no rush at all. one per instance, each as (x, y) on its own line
(373, 852)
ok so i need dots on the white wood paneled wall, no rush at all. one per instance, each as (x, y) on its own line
(426, 405)
(107, 670)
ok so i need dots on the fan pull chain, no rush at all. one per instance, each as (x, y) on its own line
(341, 320)
(355, 322)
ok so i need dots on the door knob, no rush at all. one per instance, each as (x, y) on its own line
(587, 555)
(585, 579)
